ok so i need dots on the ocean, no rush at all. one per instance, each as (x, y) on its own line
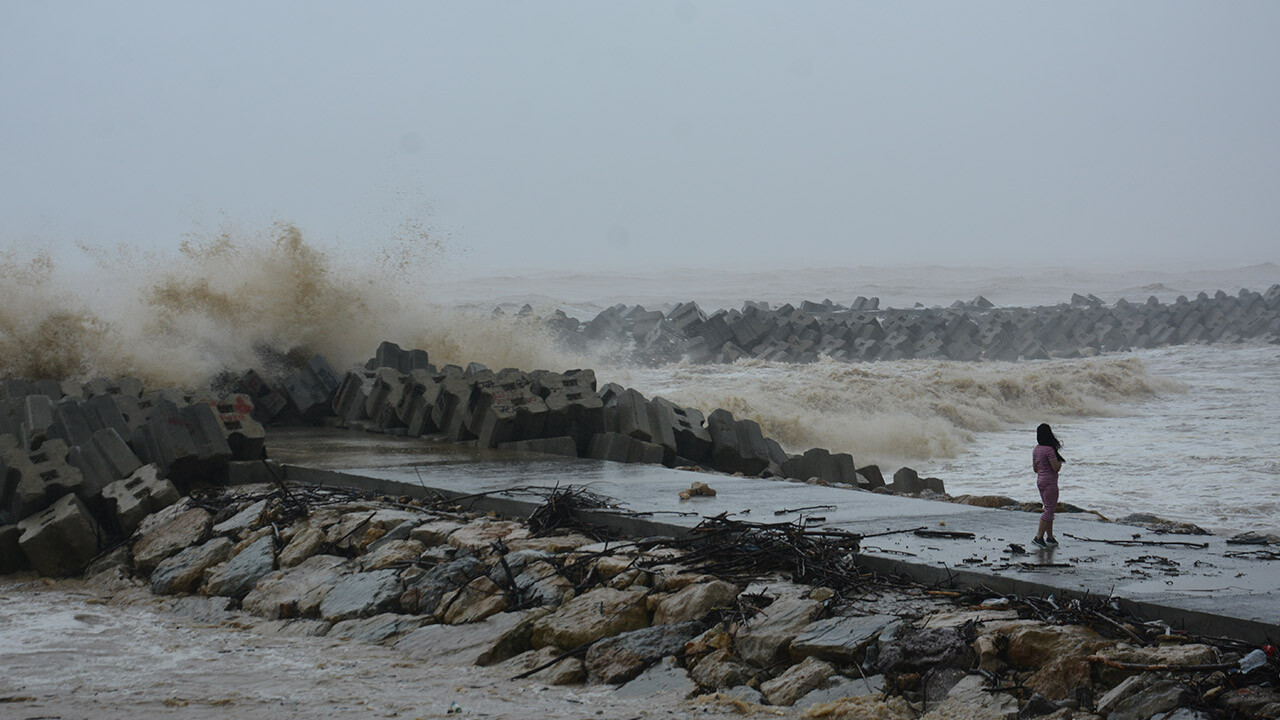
(1185, 433)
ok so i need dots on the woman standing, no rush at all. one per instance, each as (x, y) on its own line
(1046, 461)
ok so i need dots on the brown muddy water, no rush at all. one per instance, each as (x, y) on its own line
(69, 650)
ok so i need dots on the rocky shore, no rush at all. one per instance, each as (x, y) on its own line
(550, 601)
(174, 490)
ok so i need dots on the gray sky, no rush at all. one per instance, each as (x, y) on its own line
(563, 135)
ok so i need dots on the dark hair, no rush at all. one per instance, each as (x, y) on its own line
(1044, 436)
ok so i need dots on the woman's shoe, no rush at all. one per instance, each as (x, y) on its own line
(1039, 543)
(1052, 541)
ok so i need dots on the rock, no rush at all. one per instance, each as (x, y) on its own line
(191, 527)
(479, 599)
(435, 532)
(1129, 687)
(242, 572)
(600, 613)
(745, 693)
(294, 628)
(542, 584)
(926, 649)
(60, 539)
(664, 678)
(1031, 646)
(697, 489)
(458, 644)
(569, 671)
(378, 628)
(305, 543)
(183, 572)
(694, 602)
(1037, 706)
(722, 669)
(1160, 697)
(362, 595)
(116, 559)
(765, 638)
(558, 544)
(938, 681)
(516, 562)
(246, 519)
(514, 641)
(1062, 678)
(798, 681)
(478, 537)
(839, 639)
(970, 700)
(355, 530)
(396, 552)
(424, 595)
(842, 687)
(622, 657)
(297, 591)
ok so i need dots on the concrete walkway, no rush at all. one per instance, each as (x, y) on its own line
(1202, 589)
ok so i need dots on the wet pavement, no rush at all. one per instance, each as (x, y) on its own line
(1198, 582)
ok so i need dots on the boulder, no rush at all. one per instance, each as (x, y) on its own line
(480, 536)
(765, 638)
(378, 628)
(722, 669)
(183, 572)
(304, 544)
(622, 657)
(600, 613)
(242, 572)
(435, 532)
(841, 687)
(424, 594)
(839, 639)
(1034, 645)
(396, 552)
(458, 644)
(970, 699)
(1063, 677)
(926, 649)
(665, 678)
(694, 602)
(297, 591)
(362, 595)
(798, 681)
(517, 639)
(189, 528)
(479, 599)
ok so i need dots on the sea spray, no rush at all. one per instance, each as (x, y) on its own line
(238, 300)
(906, 410)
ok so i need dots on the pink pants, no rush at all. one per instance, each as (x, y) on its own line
(1048, 496)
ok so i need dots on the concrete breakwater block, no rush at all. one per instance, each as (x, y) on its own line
(35, 479)
(267, 401)
(188, 443)
(133, 498)
(965, 331)
(61, 538)
(617, 447)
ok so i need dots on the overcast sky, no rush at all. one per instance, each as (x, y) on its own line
(626, 135)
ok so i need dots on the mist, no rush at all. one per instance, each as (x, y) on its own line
(609, 137)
